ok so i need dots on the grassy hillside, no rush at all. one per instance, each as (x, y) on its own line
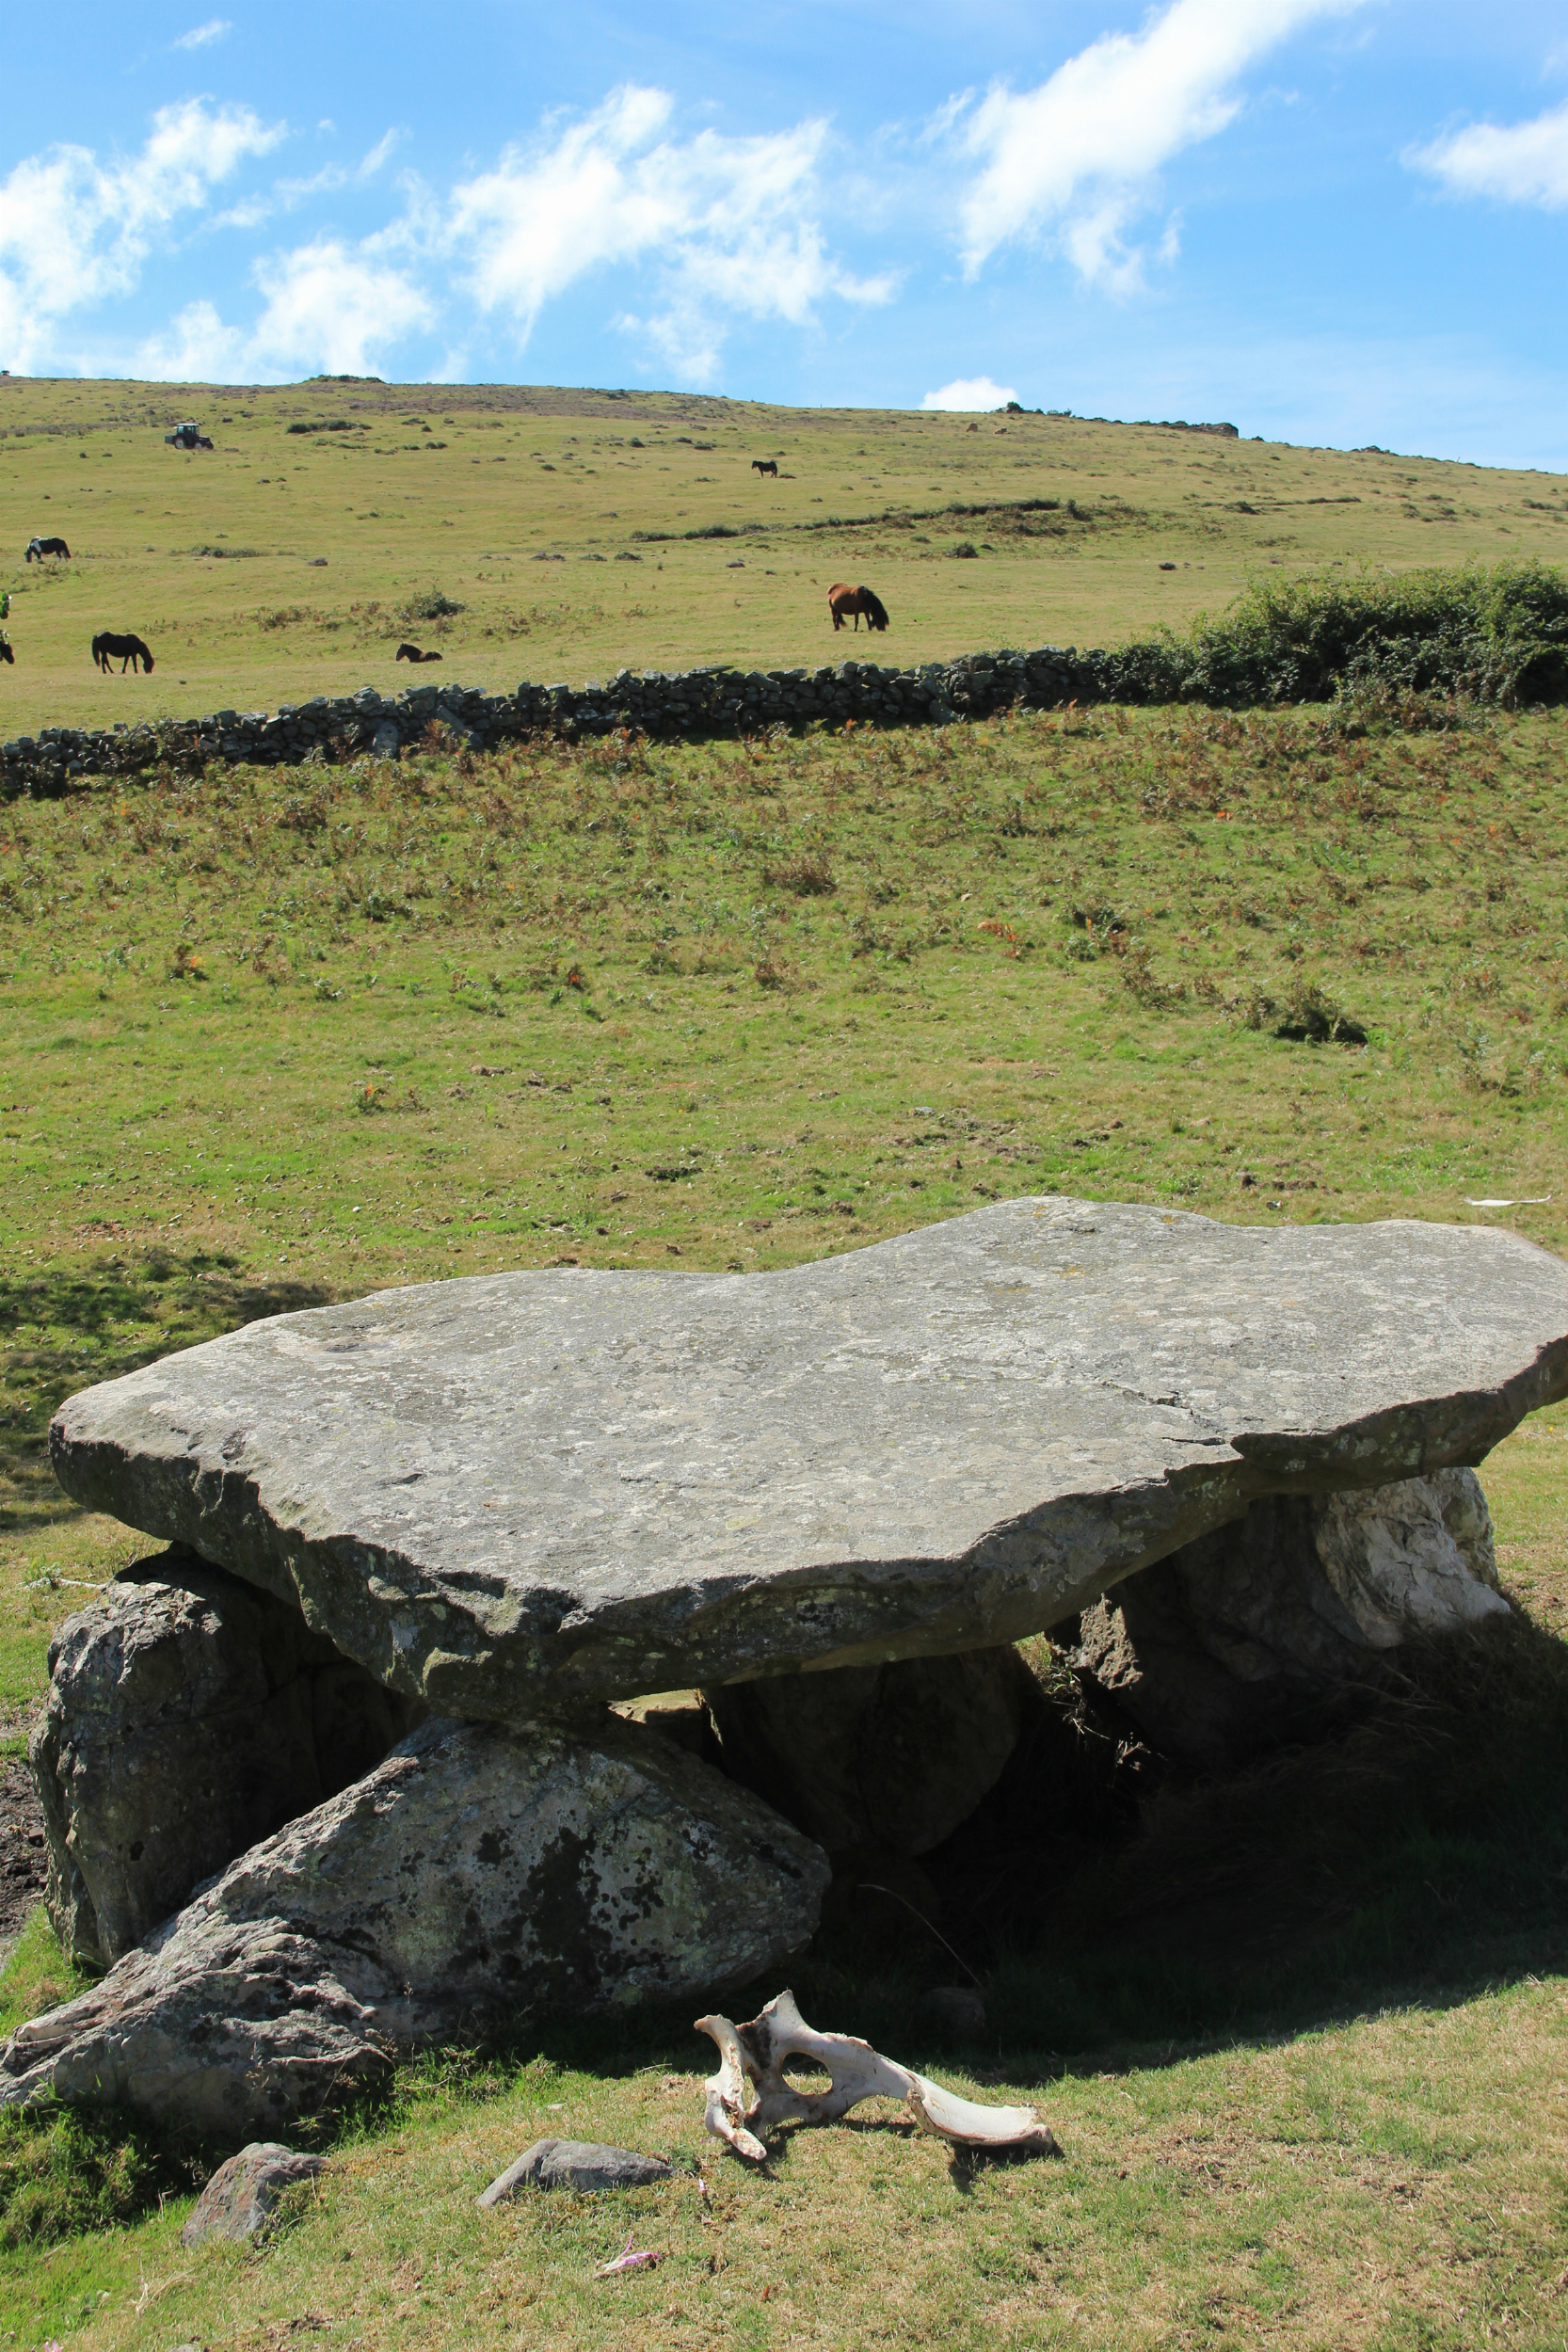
(289, 563)
(277, 1038)
(748, 1001)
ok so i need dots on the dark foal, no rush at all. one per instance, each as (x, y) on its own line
(131, 651)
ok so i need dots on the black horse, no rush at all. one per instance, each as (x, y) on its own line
(766, 465)
(133, 650)
(6, 653)
(412, 654)
(39, 548)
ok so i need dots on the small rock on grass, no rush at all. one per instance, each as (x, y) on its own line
(239, 2201)
(575, 2164)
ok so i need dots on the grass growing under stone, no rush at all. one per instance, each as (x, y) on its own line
(275, 1038)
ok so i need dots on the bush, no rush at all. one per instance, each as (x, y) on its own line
(430, 605)
(1309, 1016)
(1498, 635)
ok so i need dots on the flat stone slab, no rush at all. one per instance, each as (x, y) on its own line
(524, 1490)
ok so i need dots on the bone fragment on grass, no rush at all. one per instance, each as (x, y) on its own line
(755, 2054)
(644, 2259)
(727, 2098)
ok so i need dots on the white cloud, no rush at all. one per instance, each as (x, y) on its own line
(1074, 159)
(286, 195)
(202, 35)
(197, 349)
(1525, 162)
(709, 228)
(370, 161)
(725, 225)
(968, 393)
(73, 230)
(330, 308)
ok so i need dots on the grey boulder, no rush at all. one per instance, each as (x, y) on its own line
(894, 1755)
(240, 2201)
(580, 2163)
(530, 1488)
(189, 1713)
(475, 1874)
(1258, 1633)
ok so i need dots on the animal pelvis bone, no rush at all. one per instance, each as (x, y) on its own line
(749, 2094)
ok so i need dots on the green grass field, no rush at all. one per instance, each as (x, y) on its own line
(214, 558)
(284, 1037)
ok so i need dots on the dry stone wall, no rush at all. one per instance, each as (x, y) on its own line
(687, 705)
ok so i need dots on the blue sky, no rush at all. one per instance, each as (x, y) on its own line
(1326, 220)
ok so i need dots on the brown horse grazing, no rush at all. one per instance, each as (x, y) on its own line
(412, 654)
(133, 650)
(843, 601)
(766, 465)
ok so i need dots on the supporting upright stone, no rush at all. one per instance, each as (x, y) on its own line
(895, 1755)
(189, 1715)
(475, 1874)
(1266, 1629)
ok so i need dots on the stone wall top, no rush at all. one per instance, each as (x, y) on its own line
(684, 705)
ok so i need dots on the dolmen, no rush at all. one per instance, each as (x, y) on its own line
(352, 1764)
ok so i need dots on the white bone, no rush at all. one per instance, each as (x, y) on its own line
(970, 2126)
(729, 2099)
(779, 2033)
(758, 2053)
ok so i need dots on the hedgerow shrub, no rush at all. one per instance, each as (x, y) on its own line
(1497, 635)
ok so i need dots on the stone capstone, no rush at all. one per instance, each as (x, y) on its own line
(546, 1487)
(189, 1713)
(1255, 1634)
(579, 2164)
(895, 1755)
(475, 1874)
(240, 2201)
